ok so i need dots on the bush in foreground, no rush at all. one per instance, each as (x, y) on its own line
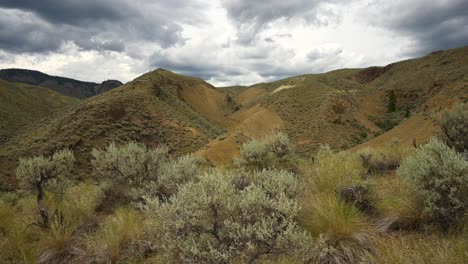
(38, 173)
(147, 170)
(223, 218)
(440, 174)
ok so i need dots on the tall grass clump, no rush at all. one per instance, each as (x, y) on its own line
(399, 205)
(15, 246)
(440, 175)
(115, 235)
(339, 225)
(421, 249)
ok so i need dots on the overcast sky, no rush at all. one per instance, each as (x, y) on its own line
(222, 41)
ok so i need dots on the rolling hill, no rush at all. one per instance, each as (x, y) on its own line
(348, 108)
(65, 86)
(159, 107)
(22, 105)
(345, 108)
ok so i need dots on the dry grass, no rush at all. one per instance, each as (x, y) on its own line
(399, 205)
(15, 245)
(345, 230)
(120, 229)
(333, 171)
(421, 249)
(332, 216)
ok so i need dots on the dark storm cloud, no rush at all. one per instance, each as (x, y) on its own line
(251, 16)
(92, 25)
(20, 32)
(432, 25)
(71, 11)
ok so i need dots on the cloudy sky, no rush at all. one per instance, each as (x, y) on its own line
(222, 41)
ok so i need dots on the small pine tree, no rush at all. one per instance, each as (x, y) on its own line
(39, 172)
(391, 107)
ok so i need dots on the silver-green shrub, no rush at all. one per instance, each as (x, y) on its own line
(440, 174)
(279, 144)
(176, 172)
(216, 220)
(134, 162)
(454, 126)
(149, 171)
(39, 173)
(275, 151)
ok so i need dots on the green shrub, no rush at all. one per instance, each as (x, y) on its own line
(391, 107)
(38, 173)
(224, 218)
(275, 151)
(454, 126)
(133, 163)
(149, 171)
(440, 174)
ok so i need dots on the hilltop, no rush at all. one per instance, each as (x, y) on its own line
(65, 86)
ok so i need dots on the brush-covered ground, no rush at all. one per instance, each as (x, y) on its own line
(142, 206)
(22, 104)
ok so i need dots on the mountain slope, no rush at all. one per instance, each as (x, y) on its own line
(65, 86)
(345, 108)
(155, 108)
(22, 105)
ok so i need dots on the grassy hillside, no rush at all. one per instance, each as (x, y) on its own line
(158, 108)
(349, 107)
(22, 105)
(65, 86)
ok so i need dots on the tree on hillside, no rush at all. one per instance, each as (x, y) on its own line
(38, 173)
(391, 107)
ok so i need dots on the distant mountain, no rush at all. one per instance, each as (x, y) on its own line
(65, 86)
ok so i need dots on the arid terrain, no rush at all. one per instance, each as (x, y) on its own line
(344, 135)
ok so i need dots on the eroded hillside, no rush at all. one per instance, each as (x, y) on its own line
(348, 108)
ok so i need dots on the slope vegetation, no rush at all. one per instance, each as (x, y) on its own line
(22, 105)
